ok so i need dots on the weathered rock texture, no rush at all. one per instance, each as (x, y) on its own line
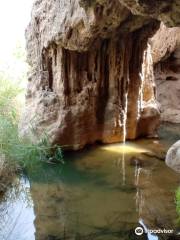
(173, 157)
(166, 57)
(91, 69)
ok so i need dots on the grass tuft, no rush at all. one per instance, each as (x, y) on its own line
(178, 204)
(19, 153)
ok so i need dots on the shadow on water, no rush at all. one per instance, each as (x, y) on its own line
(86, 198)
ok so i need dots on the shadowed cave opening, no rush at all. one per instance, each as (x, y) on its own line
(50, 72)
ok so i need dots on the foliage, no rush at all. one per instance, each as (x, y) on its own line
(20, 152)
(178, 203)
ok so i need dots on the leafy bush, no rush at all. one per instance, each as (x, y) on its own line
(178, 203)
(20, 152)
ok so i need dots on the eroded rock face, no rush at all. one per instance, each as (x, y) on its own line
(173, 157)
(166, 11)
(166, 57)
(91, 70)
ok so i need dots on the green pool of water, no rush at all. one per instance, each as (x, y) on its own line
(102, 193)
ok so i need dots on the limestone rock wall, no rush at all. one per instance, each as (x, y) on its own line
(91, 75)
(166, 58)
(167, 11)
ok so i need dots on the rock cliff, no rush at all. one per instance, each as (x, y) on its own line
(166, 58)
(92, 76)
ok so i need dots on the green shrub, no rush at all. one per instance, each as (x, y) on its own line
(20, 152)
(178, 200)
(178, 203)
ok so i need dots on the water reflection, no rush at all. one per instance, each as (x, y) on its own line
(16, 213)
(86, 198)
(89, 200)
(150, 236)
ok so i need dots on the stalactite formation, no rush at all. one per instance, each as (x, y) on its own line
(91, 73)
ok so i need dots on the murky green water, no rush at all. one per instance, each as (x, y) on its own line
(102, 193)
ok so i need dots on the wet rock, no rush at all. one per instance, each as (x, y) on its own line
(149, 114)
(173, 157)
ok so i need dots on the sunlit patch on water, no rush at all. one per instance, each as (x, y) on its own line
(128, 148)
(92, 197)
